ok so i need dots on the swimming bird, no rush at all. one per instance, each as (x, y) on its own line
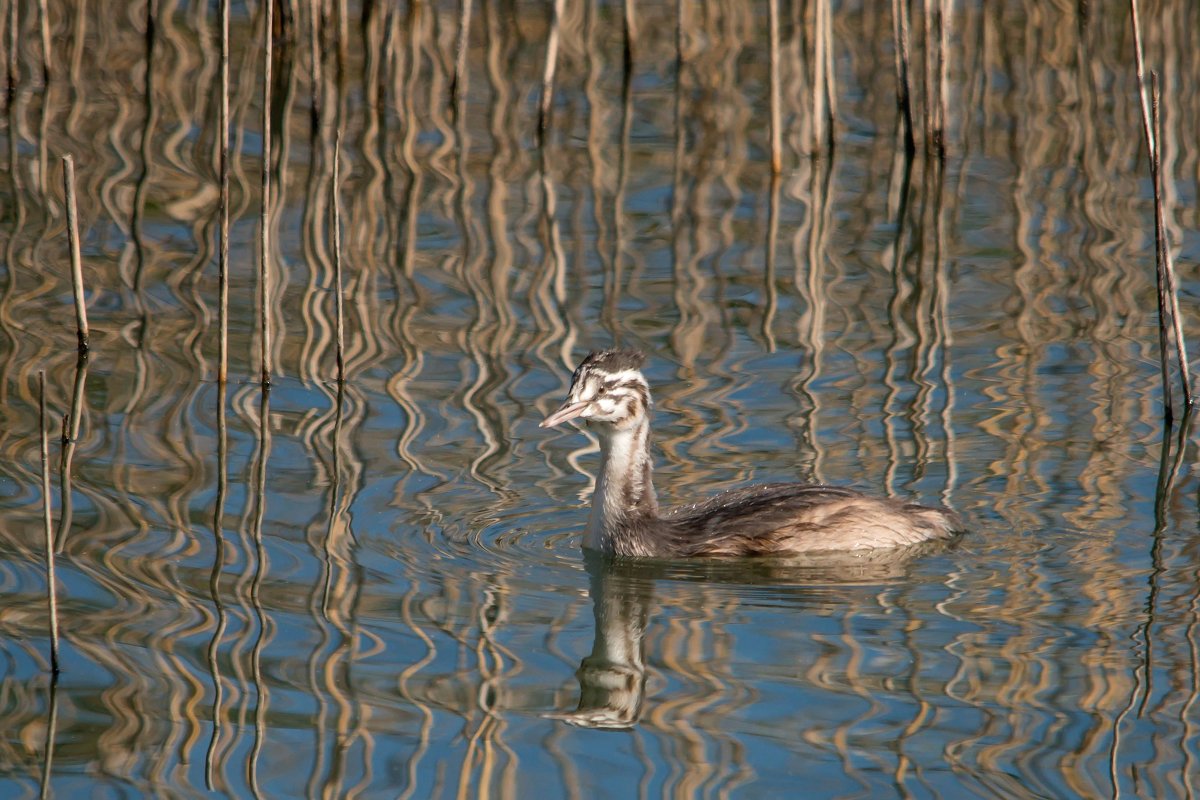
(610, 393)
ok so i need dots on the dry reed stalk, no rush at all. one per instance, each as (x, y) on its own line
(51, 735)
(51, 589)
(776, 126)
(70, 437)
(264, 233)
(81, 323)
(1163, 248)
(223, 247)
(1168, 301)
(548, 75)
(214, 584)
(339, 315)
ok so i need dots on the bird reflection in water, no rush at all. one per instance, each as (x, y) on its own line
(612, 678)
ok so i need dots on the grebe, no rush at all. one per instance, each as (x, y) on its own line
(610, 393)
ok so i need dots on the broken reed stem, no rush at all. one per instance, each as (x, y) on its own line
(264, 264)
(70, 437)
(776, 128)
(81, 323)
(1168, 302)
(337, 258)
(548, 75)
(50, 579)
(223, 171)
(1163, 248)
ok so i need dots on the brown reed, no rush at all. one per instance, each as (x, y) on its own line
(776, 126)
(81, 323)
(1168, 296)
(264, 233)
(70, 437)
(51, 589)
(223, 247)
(1163, 250)
(337, 259)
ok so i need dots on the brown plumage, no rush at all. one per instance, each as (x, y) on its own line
(610, 393)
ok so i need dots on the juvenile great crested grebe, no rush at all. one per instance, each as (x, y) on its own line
(609, 391)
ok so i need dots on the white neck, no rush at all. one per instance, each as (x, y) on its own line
(624, 488)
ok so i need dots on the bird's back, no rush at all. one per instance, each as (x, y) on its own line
(793, 518)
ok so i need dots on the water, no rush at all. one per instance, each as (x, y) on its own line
(382, 594)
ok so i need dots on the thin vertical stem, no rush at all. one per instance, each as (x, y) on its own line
(51, 582)
(264, 264)
(70, 437)
(81, 323)
(1168, 303)
(223, 247)
(776, 127)
(337, 258)
(1164, 247)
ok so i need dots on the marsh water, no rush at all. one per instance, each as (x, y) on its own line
(379, 591)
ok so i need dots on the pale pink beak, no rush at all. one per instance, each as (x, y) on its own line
(566, 412)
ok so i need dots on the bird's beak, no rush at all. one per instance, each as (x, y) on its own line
(565, 412)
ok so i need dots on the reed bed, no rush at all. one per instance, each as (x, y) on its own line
(503, 212)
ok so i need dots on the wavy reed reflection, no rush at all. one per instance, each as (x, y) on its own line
(381, 583)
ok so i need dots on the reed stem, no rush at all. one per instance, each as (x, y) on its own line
(223, 247)
(81, 323)
(1168, 301)
(1163, 248)
(337, 258)
(264, 264)
(51, 582)
(776, 126)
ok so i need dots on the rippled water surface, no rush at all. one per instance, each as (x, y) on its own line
(379, 592)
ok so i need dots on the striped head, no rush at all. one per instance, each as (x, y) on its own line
(608, 387)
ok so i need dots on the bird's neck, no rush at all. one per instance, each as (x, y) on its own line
(625, 489)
